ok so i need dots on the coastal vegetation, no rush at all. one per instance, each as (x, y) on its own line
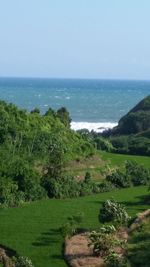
(37, 147)
(131, 136)
(56, 183)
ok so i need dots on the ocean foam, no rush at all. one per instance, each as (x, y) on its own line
(98, 127)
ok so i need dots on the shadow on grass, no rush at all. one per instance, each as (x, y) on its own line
(57, 257)
(50, 238)
(139, 201)
(47, 238)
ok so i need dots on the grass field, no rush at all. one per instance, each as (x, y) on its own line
(32, 230)
(119, 159)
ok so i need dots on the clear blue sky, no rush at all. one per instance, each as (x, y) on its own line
(75, 38)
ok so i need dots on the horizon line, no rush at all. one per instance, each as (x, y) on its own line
(71, 78)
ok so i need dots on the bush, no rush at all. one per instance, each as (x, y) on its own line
(87, 177)
(115, 260)
(137, 173)
(105, 186)
(70, 228)
(103, 240)
(103, 144)
(27, 180)
(120, 143)
(132, 174)
(64, 116)
(23, 262)
(68, 186)
(9, 194)
(113, 211)
(119, 179)
(62, 187)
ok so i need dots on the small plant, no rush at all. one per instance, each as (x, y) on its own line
(70, 227)
(22, 262)
(77, 218)
(115, 260)
(113, 211)
(87, 178)
(103, 240)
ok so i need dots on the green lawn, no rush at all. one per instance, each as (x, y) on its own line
(32, 230)
(119, 159)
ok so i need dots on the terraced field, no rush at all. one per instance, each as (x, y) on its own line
(33, 229)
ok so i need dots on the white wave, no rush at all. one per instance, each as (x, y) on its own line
(98, 127)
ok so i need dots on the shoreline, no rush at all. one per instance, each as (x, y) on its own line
(97, 127)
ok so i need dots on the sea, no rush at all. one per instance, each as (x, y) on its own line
(93, 104)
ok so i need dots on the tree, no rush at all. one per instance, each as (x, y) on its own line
(35, 111)
(54, 169)
(64, 116)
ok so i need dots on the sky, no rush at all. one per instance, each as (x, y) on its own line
(104, 39)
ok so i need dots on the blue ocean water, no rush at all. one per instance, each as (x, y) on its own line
(88, 101)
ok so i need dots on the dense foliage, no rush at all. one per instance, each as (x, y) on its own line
(132, 135)
(133, 174)
(132, 144)
(34, 149)
(136, 120)
(97, 140)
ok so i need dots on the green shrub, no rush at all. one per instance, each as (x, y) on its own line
(115, 260)
(68, 186)
(23, 262)
(119, 179)
(10, 196)
(103, 240)
(87, 177)
(103, 144)
(71, 226)
(105, 186)
(120, 143)
(139, 145)
(64, 116)
(132, 174)
(113, 211)
(137, 173)
(62, 187)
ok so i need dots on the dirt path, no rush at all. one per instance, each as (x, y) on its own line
(79, 254)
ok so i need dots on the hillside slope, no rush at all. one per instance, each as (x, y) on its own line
(33, 133)
(136, 120)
